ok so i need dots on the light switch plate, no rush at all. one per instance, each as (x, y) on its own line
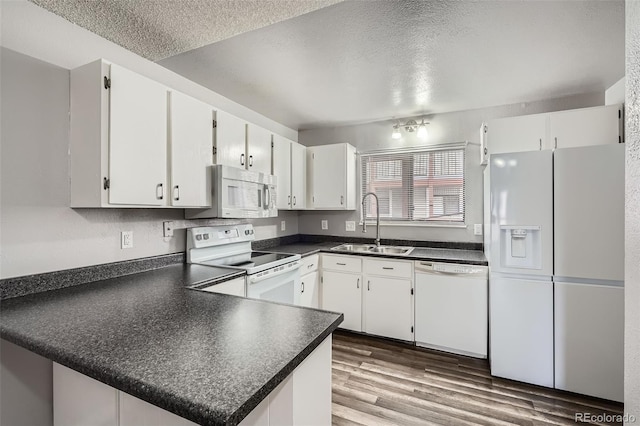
(477, 229)
(283, 225)
(126, 239)
(350, 225)
(325, 224)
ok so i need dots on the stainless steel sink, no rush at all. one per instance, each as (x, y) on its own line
(392, 250)
(355, 247)
(370, 248)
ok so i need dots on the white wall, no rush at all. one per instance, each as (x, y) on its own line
(632, 213)
(443, 128)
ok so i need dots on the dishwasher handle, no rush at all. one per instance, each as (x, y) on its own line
(449, 269)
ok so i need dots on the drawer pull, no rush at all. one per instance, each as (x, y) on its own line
(358, 283)
(310, 266)
(387, 267)
(341, 264)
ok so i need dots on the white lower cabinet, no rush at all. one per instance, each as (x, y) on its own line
(304, 398)
(375, 295)
(309, 290)
(388, 307)
(342, 292)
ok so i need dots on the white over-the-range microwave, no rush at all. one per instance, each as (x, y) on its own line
(239, 194)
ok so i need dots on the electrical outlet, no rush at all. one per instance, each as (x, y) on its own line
(477, 229)
(283, 225)
(325, 224)
(350, 225)
(168, 229)
(126, 239)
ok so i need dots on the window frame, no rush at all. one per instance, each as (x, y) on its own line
(421, 222)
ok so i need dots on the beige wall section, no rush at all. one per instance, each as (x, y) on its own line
(39, 232)
(632, 213)
(26, 387)
(443, 128)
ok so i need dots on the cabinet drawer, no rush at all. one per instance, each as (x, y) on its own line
(341, 263)
(309, 264)
(390, 268)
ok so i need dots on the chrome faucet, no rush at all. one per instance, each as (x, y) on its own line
(364, 218)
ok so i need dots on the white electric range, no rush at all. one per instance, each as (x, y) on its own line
(270, 276)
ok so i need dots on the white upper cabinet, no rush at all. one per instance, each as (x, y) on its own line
(298, 176)
(282, 170)
(587, 126)
(290, 167)
(191, 151)
(258, 149)
(331, 177)
(516, 134)
(230, 140)
(599, 125)
(118, 138)
(137, 139)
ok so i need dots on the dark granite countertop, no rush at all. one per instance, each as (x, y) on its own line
(208, 357)
(471, 257)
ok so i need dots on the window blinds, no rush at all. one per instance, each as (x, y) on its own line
(418, 185)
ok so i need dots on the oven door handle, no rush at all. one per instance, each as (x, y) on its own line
(254, 279)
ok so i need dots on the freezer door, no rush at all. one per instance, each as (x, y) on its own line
(589, 212)
(521, 211)
(589, 339)
(521, 330)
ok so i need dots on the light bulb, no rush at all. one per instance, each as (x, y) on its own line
(396, 133)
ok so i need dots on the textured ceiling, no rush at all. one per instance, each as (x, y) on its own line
(359, 61)
(157, 29)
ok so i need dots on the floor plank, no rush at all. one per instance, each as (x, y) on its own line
(384, 382)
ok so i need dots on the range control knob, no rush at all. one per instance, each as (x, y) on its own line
(205, 236)
(198, 237)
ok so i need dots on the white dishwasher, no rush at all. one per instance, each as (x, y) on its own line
(451, 307)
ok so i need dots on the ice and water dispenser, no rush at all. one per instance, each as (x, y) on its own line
(520, 247)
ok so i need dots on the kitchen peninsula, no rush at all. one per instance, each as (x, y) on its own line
(209, 358)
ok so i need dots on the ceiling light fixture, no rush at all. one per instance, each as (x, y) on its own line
(411, 126)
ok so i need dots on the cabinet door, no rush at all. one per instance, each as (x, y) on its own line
(298, 176)
(191, 142)
(343, 293)
(587, 126)
(589, 339)
(516, 134)
(136, 412)
(137, 139)
(309, 290)
(329, 174)
(230, 140)
(282, 170)
(388, 307)
(258, 149)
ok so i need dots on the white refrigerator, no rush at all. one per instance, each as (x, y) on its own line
(589, 270)
(520, 283)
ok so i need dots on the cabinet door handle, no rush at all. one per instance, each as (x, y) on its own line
(341, 199)
(341, 264)
(242, 159)
(540, 144)
(289, 200)
(302, 287)
(368, 285)
(310, 266)
(486, 151)
(294, 200)
(176, 193)
(555, 143)
(387, 267)
(251, 161)
(358, 283)
(159, 191)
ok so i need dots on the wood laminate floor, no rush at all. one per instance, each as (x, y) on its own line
(381, 382)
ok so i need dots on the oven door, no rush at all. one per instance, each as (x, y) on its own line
(244, 194)
(275, 286)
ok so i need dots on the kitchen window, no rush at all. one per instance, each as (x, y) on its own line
(421, 185)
